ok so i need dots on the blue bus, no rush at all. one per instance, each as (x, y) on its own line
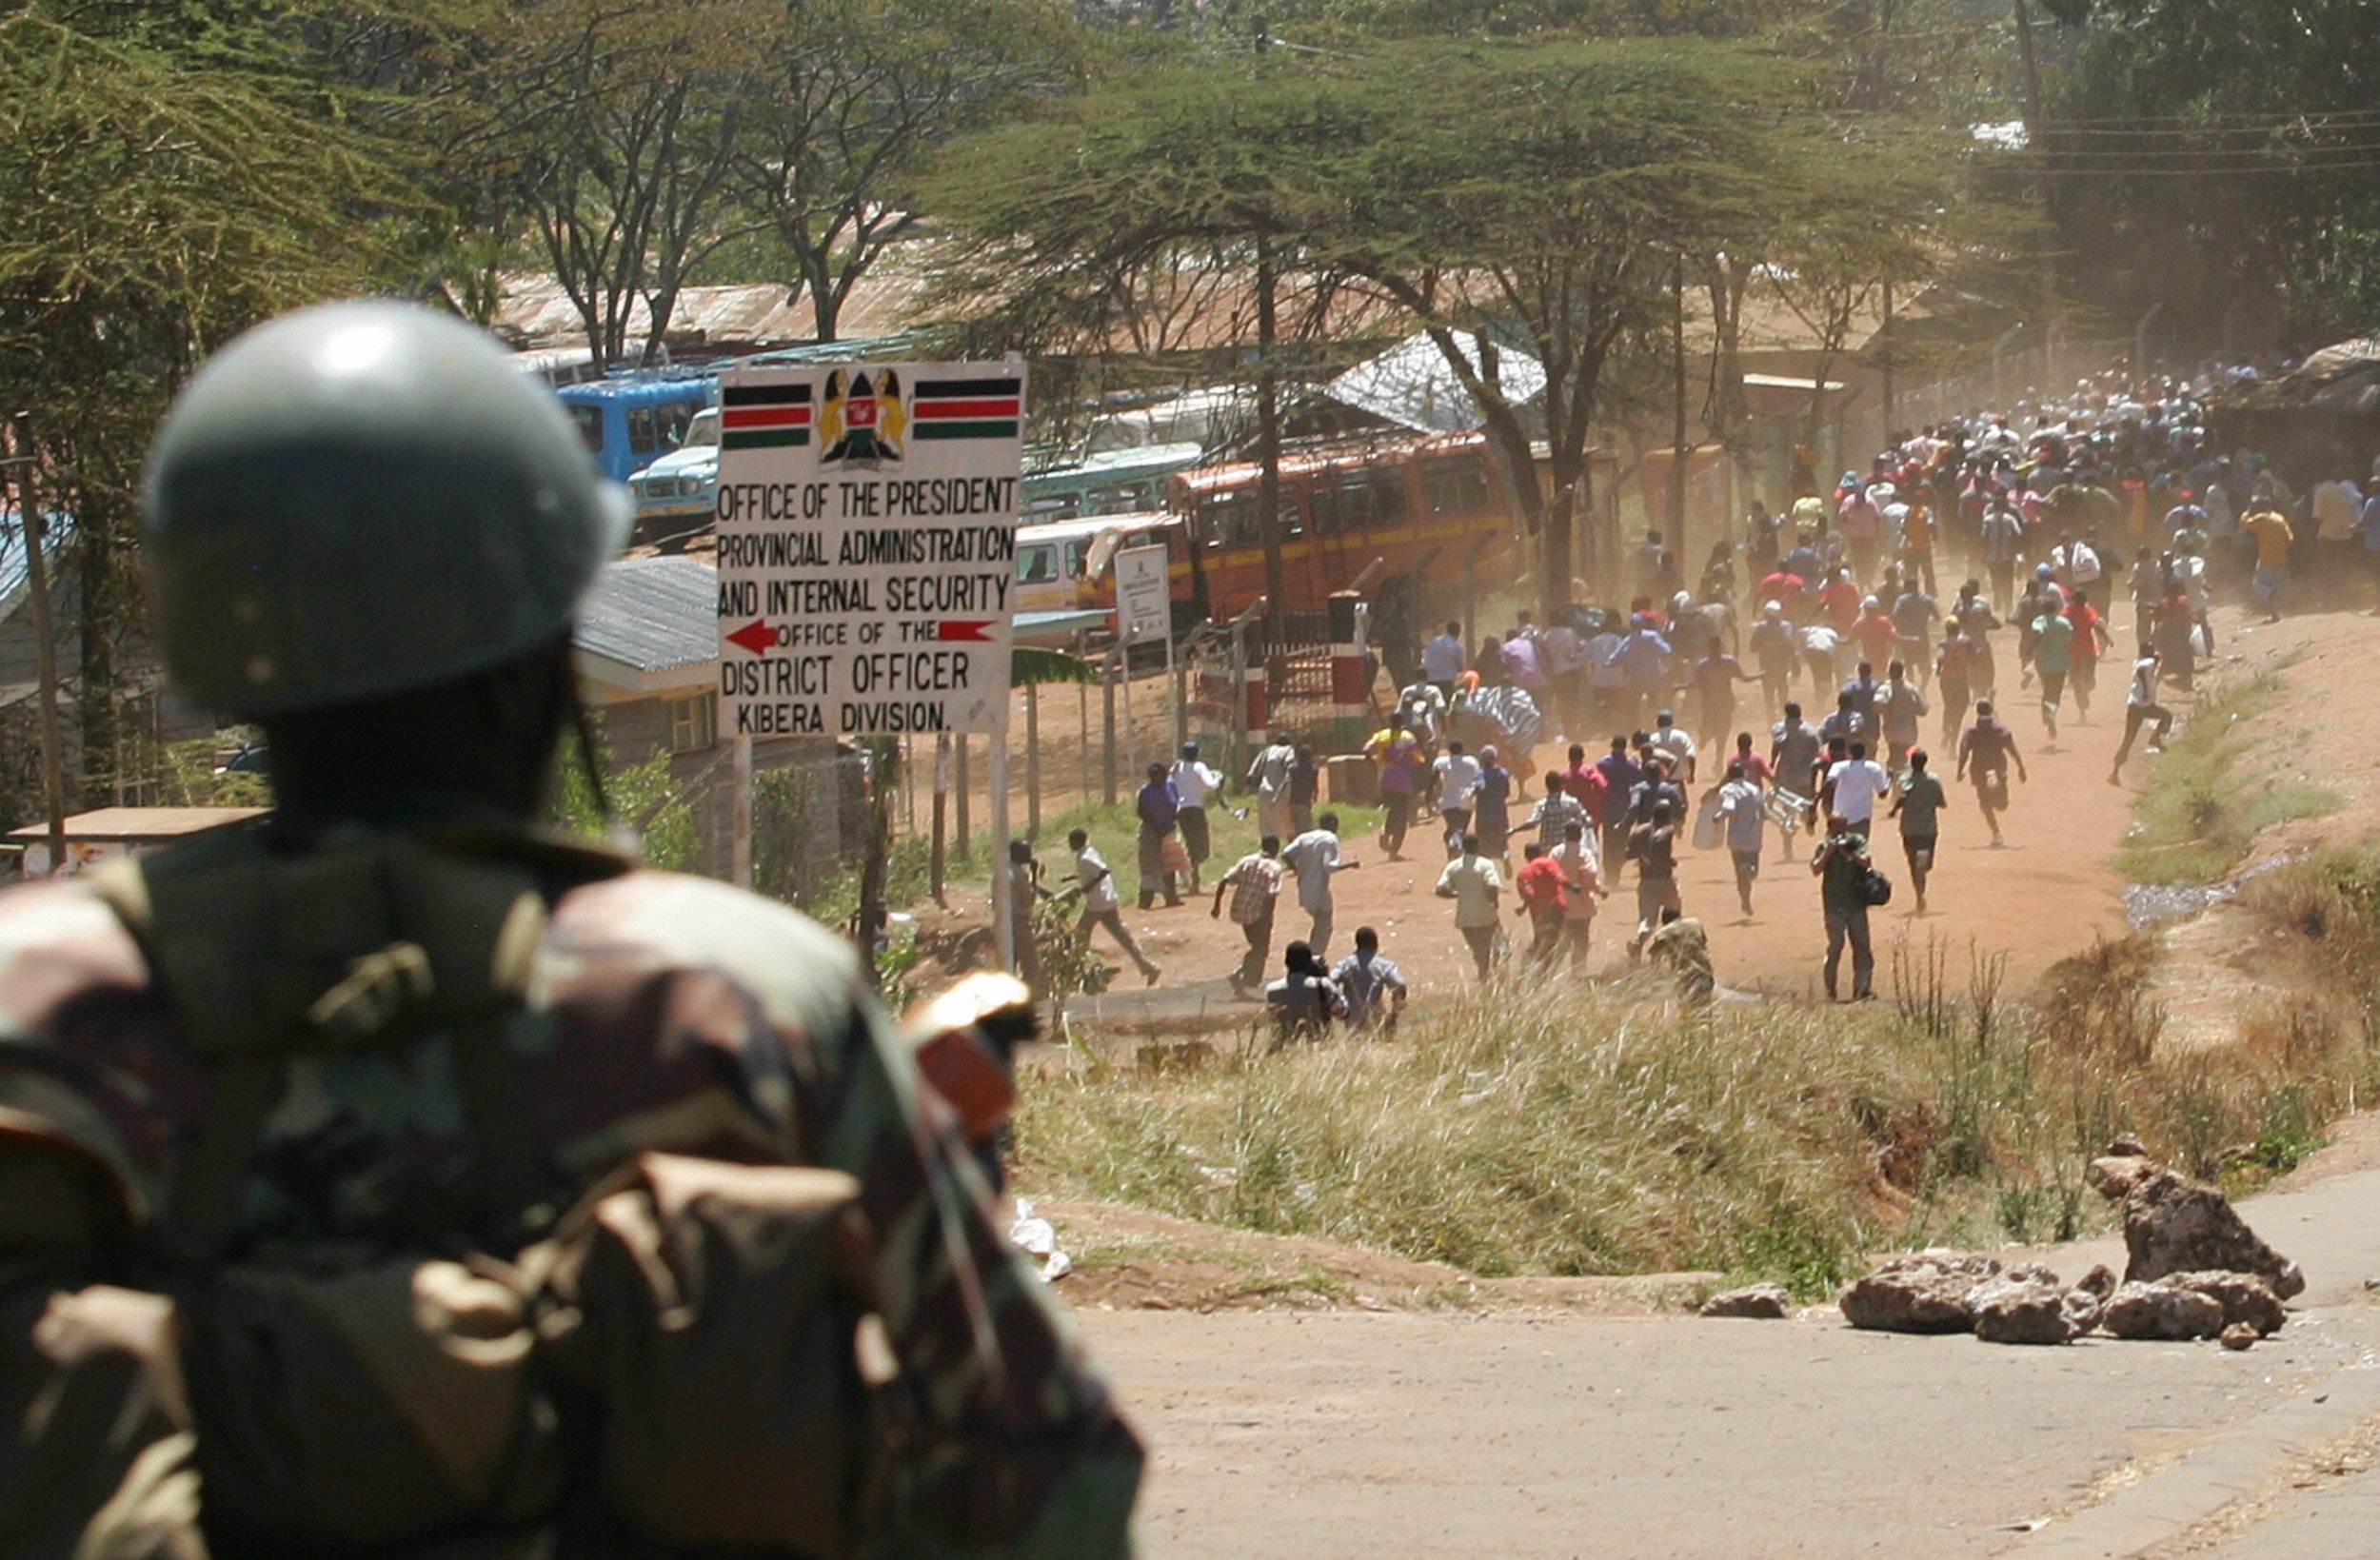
(631, 421)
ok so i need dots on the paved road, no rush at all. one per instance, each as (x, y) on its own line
(1347, 1433)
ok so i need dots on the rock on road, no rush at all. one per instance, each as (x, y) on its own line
(1425, 1434)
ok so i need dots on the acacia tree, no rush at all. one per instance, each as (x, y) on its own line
(158, 202)
(852, 95)
(1068, 227)
(628, 117)
(1538, 195)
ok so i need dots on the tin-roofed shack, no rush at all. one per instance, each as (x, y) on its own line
(110, 832)
(2314, 422)
(646, 647)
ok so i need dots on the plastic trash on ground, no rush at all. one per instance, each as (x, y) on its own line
(1038, 1237)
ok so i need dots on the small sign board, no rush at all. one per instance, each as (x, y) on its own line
(866, 522)
(1143, 601)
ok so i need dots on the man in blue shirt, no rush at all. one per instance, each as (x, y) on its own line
(1160, 805)
(1441, 659)
(1372, 984)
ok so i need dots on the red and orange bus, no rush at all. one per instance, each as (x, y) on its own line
(1425, 509)
(1408, 516)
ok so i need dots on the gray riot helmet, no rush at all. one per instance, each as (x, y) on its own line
(362, 500)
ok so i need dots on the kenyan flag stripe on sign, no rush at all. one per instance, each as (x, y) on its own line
(764, 416)
(966, 408)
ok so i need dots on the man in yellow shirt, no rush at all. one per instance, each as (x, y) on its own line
(2265, 521)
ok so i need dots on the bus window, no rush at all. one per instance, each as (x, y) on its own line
(675, 418)
(1075, 553)
(1388, 498)
(1358, 509)
(644, 431)
(1454, 487)
(1230, 518)
(1036, 564)
(1322, 503)
(590, 421)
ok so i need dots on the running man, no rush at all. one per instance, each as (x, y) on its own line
(1840, 865)
(1314, 856)
(1653, 845)
(1582, 884)
(1194, 782)
(1917, 802)
(2269, 529)
(1900, 708)
(1544, 898)
(1101, 906)
(1457, 774)
(1472, 881)
(2053, 635)
(1986, 751)
(1253, 882)
(2140, 707)
(1746, 812)
(1854, 786)
(2082, 654)
(1794, 748)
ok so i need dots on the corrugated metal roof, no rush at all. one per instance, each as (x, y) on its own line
(1410, 384)
(13, 579)
(2342, 378)
(653, 614)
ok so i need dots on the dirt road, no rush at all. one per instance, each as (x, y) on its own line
(2037, 899)
(1418, 1434)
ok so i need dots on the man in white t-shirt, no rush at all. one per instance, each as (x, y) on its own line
(1194, 782)
(1668, 738)
(1269, 776)
(1458, 780)
(1858, 782)
(1101, 906)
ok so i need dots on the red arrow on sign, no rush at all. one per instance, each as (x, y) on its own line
(755, 636)
(980, 632)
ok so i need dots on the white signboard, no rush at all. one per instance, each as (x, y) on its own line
(1143, 602)
(867, 523)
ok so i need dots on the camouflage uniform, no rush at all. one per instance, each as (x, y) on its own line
(667, 1014)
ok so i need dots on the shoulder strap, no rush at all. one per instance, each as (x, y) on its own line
(364, 937)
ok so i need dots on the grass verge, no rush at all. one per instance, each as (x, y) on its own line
(2200, 812)
(1565, 1130)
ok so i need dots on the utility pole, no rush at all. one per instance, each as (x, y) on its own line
(2034, 126)
(1677, 443)
(1884, 361)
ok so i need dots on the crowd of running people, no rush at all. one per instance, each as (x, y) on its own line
(1972, 568)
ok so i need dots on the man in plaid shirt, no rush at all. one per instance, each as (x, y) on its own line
(1254, 883)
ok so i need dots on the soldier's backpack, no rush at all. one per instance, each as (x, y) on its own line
(671, 1364)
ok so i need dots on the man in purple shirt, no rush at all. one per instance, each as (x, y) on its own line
(1622, 774)
(1159, 804)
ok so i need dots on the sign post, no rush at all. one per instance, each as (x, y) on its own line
(866, 521)
(1144, 612)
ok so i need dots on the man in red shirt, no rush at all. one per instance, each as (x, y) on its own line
(1784, 587)
(1544, 897)
(1876, 632)
(1840, 598)
(1587, 784)
(2082, 655)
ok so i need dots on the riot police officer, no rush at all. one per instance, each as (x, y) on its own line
(383, 1177)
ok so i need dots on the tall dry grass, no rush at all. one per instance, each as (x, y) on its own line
(1550, 1128)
